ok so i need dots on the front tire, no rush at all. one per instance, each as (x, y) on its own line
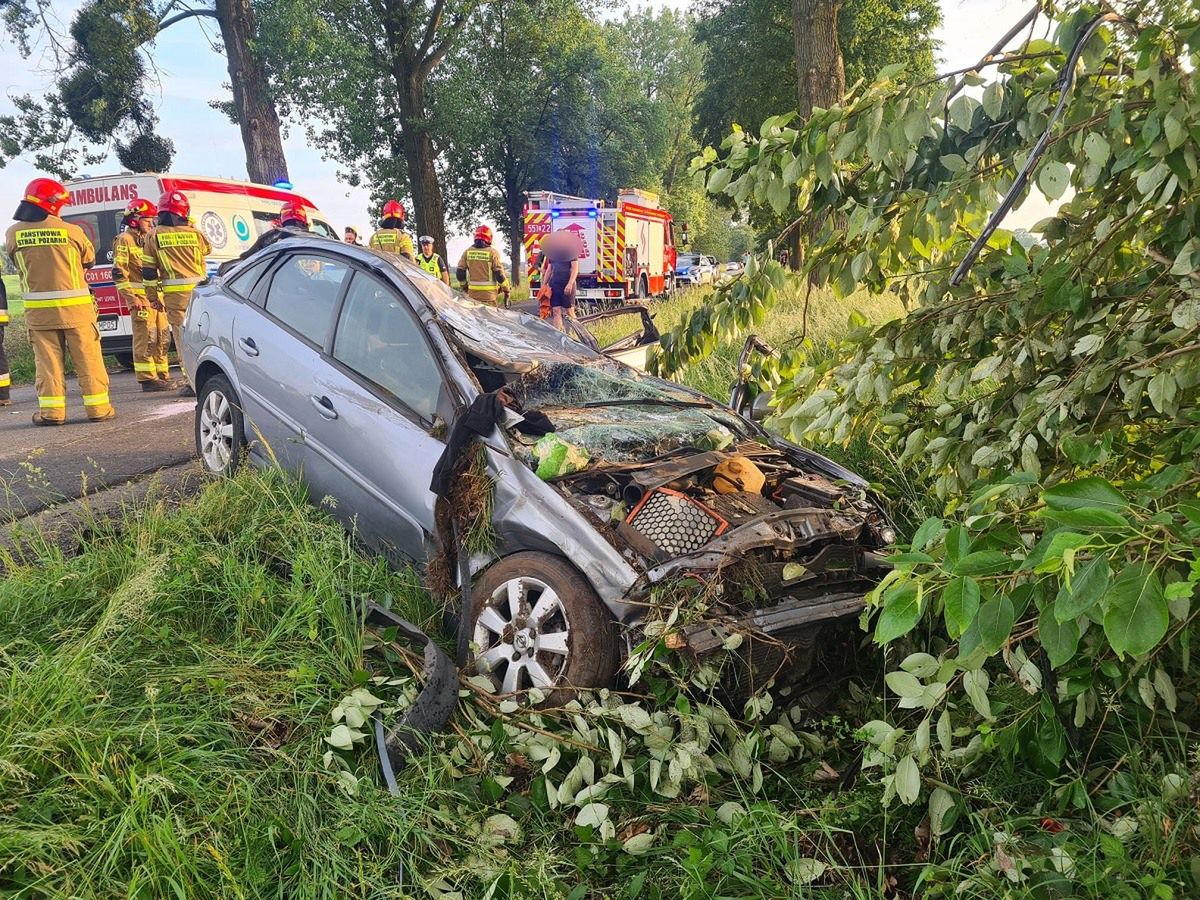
(537, 623)
(220, 427)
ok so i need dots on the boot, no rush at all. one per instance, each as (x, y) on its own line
(156, 386)
(187, 391)
(112, 414)
(38, 420)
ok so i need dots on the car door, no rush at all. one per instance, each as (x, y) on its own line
(379, 396)
(278, 353)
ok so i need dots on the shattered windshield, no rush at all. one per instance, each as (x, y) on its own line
(497, 334)
(619, 415)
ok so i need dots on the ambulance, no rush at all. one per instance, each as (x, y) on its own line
(628, 249)
(232, 214)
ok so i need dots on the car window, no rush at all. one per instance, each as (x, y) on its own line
(304, 293)
(243, 282)
(323, 229)
(378, 337)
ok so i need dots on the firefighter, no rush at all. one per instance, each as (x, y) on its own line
(151, 332)
(431, 261)
(5, 376)
(480, 271)
(51, 256)
(391, 236)
(173, 256)
(294, 216)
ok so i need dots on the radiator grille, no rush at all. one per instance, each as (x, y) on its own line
(674, 522)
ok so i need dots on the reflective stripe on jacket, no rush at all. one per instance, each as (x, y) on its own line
(480, 268)
(393, 240)
(173, 255)
(433, 265)
(51, 256)
(127, 263)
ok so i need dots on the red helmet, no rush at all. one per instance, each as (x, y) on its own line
(293, 211)
(139, 208)
(393, 209)
(174, 202)
(483, 233)
(47, 194)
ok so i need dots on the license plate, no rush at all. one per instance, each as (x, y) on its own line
(108, 323)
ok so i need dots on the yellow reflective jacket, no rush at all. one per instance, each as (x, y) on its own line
(51, 256)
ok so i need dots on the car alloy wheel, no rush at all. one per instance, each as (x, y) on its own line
(220, 438)
(524, 635)
(536, 622)
(216, 432)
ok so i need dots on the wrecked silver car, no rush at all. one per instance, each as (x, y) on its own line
(559, 496)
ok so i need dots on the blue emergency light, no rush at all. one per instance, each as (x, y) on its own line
(555, 213)
(591, 213)
(283, 184)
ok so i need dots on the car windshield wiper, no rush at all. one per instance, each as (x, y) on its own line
(648, 401)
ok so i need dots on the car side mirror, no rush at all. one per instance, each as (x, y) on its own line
(761, 408)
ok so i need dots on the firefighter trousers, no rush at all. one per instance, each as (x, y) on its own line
(151, 338)
(488, 297)
(50, 349)
(177, 307)
(5, 377)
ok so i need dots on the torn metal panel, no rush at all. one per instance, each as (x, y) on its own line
(434, 705)
(790, 613)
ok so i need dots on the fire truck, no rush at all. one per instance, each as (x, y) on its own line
(628, 249)
(232, 214)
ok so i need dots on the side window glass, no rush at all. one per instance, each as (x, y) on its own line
(379, 338)
(304, 293)
(243, 282)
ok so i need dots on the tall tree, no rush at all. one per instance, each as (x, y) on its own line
(820, 73)
(542, 97)
(99, 94)
(358, 74)
(751, 53)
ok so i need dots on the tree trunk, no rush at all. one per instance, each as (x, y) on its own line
(515, 205)
(420, 157)
(256, 114)
(820, 75)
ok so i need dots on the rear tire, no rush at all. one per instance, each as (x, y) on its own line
(537, 623)
(220, 427)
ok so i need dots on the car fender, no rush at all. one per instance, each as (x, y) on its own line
(218, 356)
(530, 514)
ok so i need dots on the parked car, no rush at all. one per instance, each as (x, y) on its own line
(345, 367)
(733, 269)
(694, 269)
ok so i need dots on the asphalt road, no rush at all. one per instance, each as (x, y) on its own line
(41, 466)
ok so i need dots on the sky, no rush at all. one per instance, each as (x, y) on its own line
(207, 143)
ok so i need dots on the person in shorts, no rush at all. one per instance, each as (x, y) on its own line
(561, 252)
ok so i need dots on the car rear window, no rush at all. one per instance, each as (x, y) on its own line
(304, 292)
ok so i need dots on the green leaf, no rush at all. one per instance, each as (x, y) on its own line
(805, 870)
(996, 619)
(1162, 390)
(1061, 639)
(953, 162)
(957, 543)
(926, 532)
(993, 100)
(1053, 179)
(1087, 587)
(1096, 148)
(916, 124)
(778, 195)
(1086, 517)
(962, 111)
(908, 780)
(902, 684)
(1085, 492)
(983, 562)
(899, 614)
(961, 602)
(719, 180)
(1135, 617)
